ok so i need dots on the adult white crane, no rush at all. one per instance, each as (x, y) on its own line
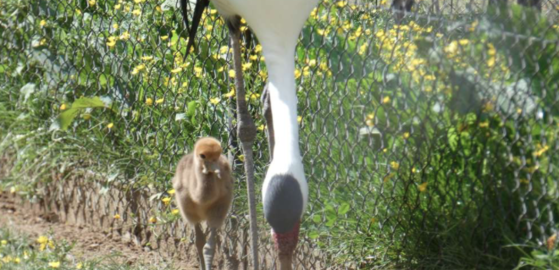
(277, 24)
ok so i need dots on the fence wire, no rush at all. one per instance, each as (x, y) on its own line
(430, 137)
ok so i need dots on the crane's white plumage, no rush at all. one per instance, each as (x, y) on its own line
(277, 25)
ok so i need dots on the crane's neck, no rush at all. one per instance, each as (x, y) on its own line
(283, 97)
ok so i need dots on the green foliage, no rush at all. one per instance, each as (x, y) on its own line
(66, 117)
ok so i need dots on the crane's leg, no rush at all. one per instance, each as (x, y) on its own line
(267, 111)
(246, 133)
(200, 241)
(209, 249)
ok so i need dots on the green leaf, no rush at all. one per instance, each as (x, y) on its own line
(313, 234)
(452, 138)
(66, 118)
(344, 208)
(191, 108)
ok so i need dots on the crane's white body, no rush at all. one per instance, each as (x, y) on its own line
(277, 24)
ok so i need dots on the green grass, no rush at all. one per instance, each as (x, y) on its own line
(19, 252)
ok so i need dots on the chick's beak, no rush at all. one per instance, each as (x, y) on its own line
(211, 167)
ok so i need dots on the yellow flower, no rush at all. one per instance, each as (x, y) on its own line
(254, 96)
(152, 220)
(125, 36)
(139, 1)
(370, 123)
(171, 191)
(63, 106)
(13, 190)
(175, 211)
(224, 49)
(176, 70)
(341, 4)
(92, 2)
(147, 58)
(253, 57)
(306, 71)
(110, 125)
(247, 66)
(43, 23)
(363, 48)
(111, 41)
(79, 265)
(258, 48)
(140, 67)
(214, 101)
(395, 165)
(166, 200)
(117, 6)
(312, 63)
(491, 62)
(262, 127)
(159, 101)
(541, 150)
(452, 48)
(158, 8)
(79, 12)
(297, 73)
(242, 158)
(230, 94)
(137, 12)
(423, 187)
(4, 242)
(164, 38)
(42, 240)
(57, 264)
(263, 74)
(116, 216)
(429, 77)
(484, 124)
(299, 119)
(386, 100)
(406, 135)
(323, 32)
(464, 42)
(231, 73)
(17, 260)
(115, 26)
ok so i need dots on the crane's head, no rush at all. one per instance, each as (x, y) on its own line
(207, 152)
(284, 198)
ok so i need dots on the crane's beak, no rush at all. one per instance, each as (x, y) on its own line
(211, 167)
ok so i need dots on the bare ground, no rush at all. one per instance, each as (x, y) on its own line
(89, 242)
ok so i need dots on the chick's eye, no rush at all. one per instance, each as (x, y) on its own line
(202, 156)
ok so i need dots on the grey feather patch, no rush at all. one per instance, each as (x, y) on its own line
(283, 203)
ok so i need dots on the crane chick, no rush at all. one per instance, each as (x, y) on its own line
(204, 191)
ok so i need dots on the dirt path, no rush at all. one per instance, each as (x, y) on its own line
(90, 242)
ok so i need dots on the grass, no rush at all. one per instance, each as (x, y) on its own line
(416, 151)
(21, 253)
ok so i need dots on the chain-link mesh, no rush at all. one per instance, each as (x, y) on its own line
(430, 137)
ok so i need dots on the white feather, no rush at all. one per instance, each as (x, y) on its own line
(277, 24)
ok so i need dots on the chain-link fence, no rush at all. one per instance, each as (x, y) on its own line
(430, 137)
